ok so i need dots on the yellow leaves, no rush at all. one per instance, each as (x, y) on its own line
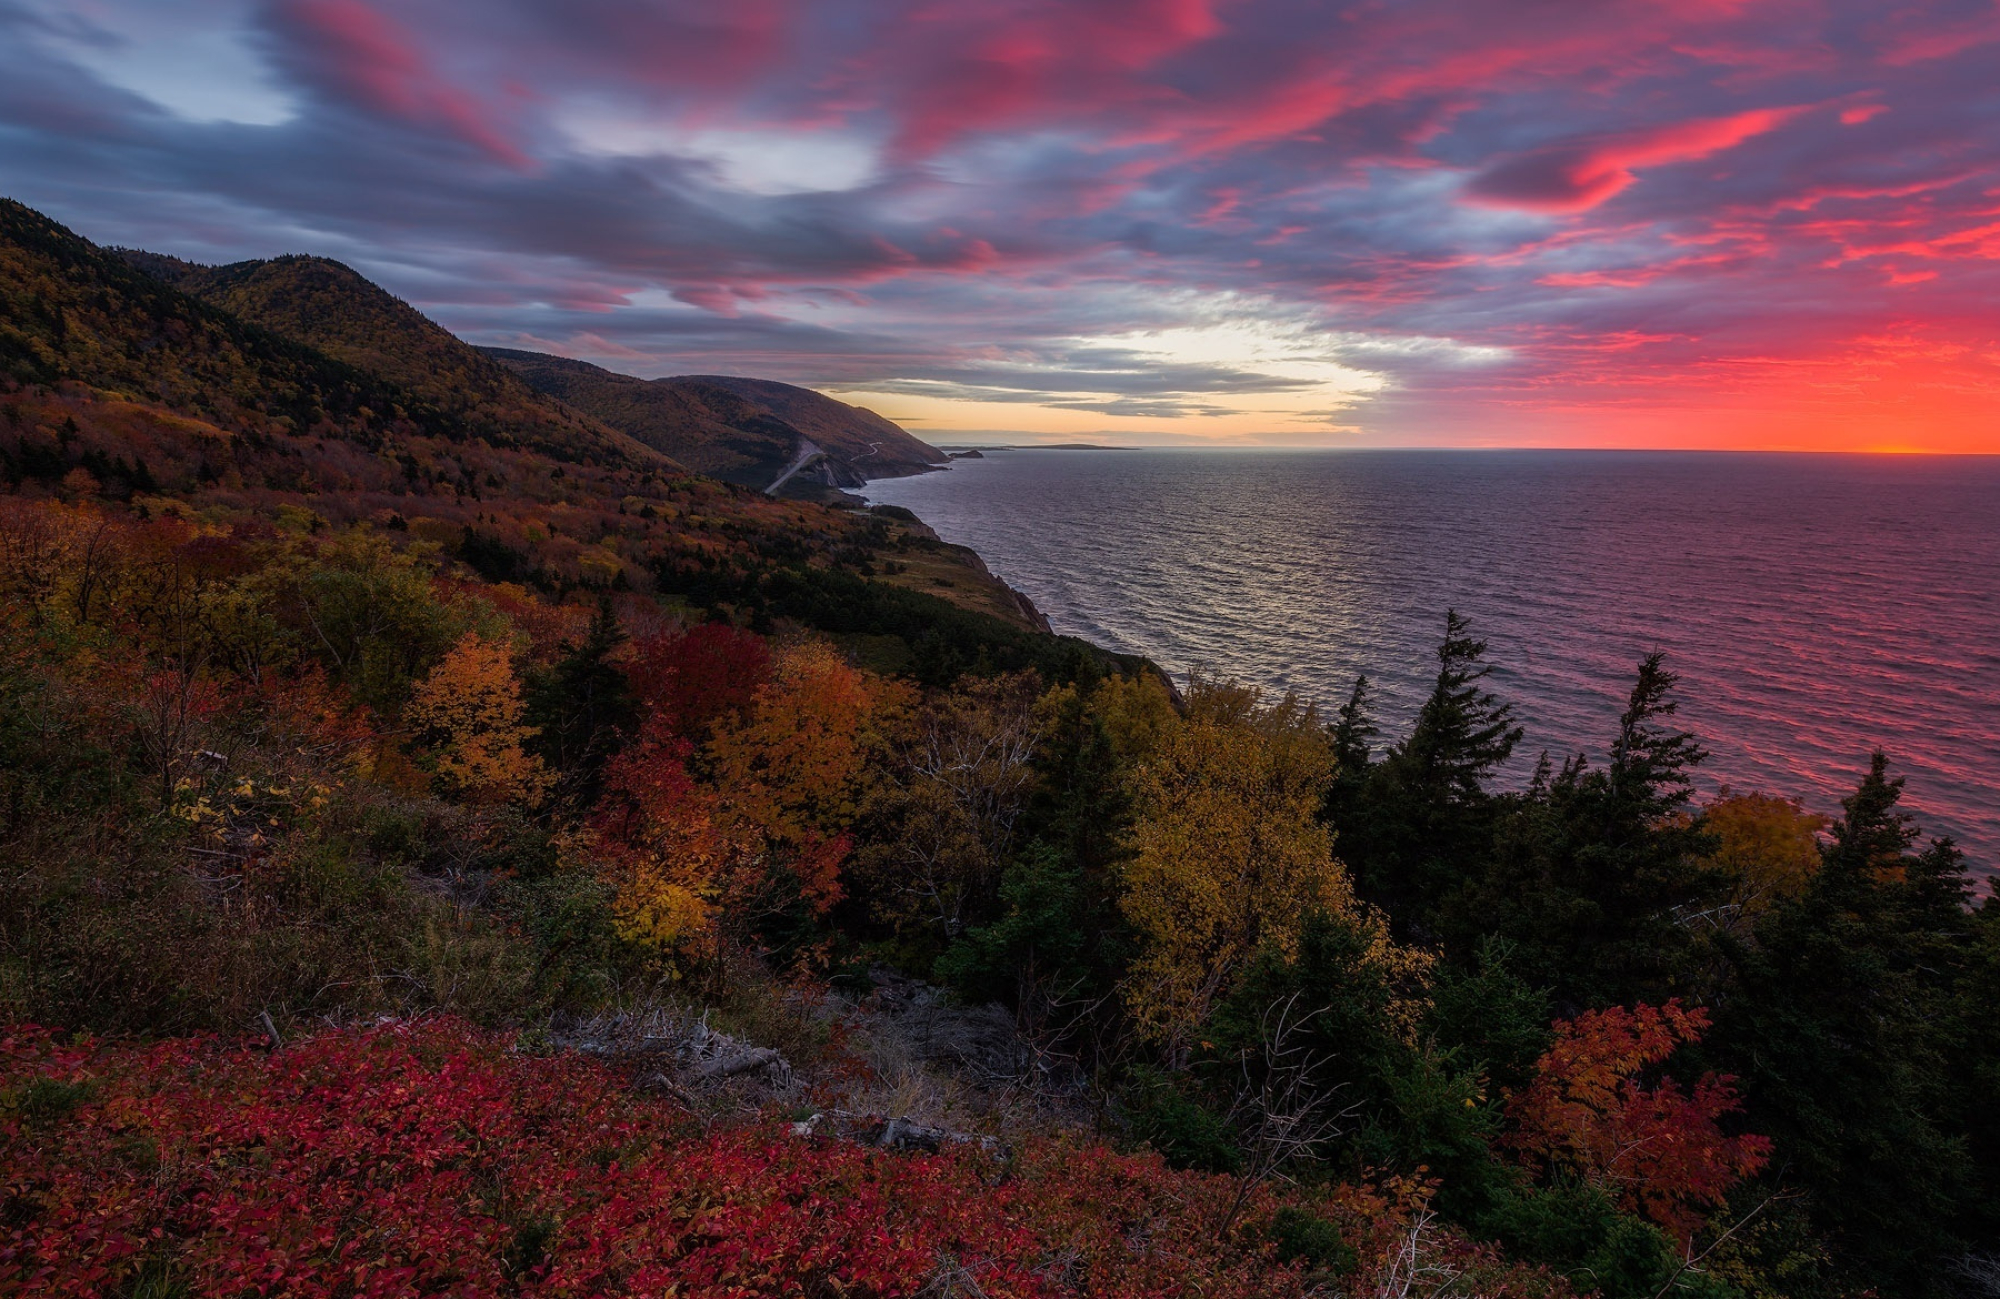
(695, 837)
(1228, 854)
(471, 706)
(1769, 845)
(663, 914)
(788, 769)
(1137, 715)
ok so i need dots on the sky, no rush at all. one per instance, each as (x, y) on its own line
(1769, 224)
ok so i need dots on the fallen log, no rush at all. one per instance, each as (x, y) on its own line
(728, 1066)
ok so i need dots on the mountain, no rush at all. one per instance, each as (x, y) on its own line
(748, 431)
(340, 407)
(71, 312)
(331, 307)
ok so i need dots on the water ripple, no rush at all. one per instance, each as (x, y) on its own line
(1816, 606)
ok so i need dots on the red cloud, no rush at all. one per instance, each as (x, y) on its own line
(375, 64)
(1038, 61)
(1575, 176)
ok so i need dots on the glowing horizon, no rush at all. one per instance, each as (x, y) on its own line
(1735, 224)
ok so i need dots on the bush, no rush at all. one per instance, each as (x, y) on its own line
(1307, 1238)
(1186, 1133)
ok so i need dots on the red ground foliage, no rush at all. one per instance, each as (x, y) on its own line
(433, 1160)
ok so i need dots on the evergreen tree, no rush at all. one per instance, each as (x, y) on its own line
(1422, 818)
(1463, 734)
(1054, 953)
(1845, 1024)
(1354, 730)
(1599, 875)
(1974, 1039)
(583, 706)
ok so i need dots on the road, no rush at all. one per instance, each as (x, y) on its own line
(807, 453)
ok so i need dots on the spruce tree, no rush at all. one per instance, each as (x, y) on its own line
(1422, 820)
(1847, 1026)
(1354, 730)
(1463, 734)
(583, 707)
(1599, 875)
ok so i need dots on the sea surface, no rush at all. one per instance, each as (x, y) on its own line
(1816, 607)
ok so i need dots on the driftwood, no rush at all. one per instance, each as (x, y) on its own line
(689, 1046)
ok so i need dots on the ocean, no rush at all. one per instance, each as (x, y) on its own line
(1816, 607)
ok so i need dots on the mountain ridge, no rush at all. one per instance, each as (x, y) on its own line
(742, 430)
(330, 306)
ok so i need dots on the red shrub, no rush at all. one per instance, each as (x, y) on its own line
(1660, 1150)
(416, 1160)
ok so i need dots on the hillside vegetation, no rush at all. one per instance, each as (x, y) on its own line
(741, 430)
(439, 865)
(327, 306)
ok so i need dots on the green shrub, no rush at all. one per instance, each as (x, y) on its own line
(1302, 1237)
(1185, 1132)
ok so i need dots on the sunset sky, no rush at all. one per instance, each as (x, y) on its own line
(1705, 223)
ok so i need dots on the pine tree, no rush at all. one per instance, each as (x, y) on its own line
(1463, 734)
(583, 708)
(1844, 1024)
(1354, 730)
(1599, 873)
(1422, 818)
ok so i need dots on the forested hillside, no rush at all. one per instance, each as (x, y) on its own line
(327, 306)
(433, 863)
(746, 431)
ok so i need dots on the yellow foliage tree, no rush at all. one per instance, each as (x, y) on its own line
(1137, 714)
(1768, 845)
(669, 886)
(1228, 851)
(470, 708)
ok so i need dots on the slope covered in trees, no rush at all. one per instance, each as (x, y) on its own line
(429, 866)
(741, 430)
(325, 305)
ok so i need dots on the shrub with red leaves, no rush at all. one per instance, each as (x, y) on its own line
(1660, 1150)
(431, 1160)
(419, 1160)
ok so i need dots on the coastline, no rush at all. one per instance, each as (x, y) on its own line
(922, 535)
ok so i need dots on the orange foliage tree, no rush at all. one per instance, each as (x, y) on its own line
(1768, 845)
(1659, 1151)
(788, 768)
(749, 810)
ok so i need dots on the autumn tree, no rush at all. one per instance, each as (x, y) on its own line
(1228, 853)
(788, 769)
(469, 710)
(663, 843)
(944, 816)
(1767, 847)
(1659, 1150)
(694, 677)
(718, 838)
